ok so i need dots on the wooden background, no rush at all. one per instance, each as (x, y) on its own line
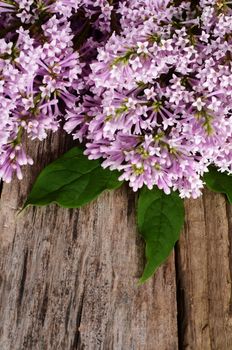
(68, 277)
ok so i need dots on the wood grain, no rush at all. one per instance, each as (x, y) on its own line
(68, 278)
(204, 275)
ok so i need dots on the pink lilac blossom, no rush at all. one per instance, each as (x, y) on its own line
(30, 11)
(145, 84)
(43, 64)
(159, 106)
(35, 78)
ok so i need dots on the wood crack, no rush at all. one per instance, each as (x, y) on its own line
(77, 339)
(44, 306)
(22, 283)
(180, 301)
(1, 188)
(207, 270)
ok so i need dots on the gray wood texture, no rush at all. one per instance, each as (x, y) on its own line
(68, 278)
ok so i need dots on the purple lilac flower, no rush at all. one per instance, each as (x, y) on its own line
(155, 104)
(159, 105)
(44, 59)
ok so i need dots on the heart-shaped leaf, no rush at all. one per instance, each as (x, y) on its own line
(219, 182)
(160, 219)
(72, 181)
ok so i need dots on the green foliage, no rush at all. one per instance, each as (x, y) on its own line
(219, 182)
(72, 181)
(160, 219)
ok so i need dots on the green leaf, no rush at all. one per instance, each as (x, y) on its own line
(219, 182)
(72, 181)
(160, 219)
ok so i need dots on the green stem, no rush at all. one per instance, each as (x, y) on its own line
(18, 139)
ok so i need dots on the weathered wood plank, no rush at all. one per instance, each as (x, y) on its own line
(204, 275)
(68, 277)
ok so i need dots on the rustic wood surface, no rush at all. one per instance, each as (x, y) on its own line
(68, 278)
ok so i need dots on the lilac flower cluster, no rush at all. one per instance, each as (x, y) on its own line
(145, 84)
(44, 51)
(159, 106)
